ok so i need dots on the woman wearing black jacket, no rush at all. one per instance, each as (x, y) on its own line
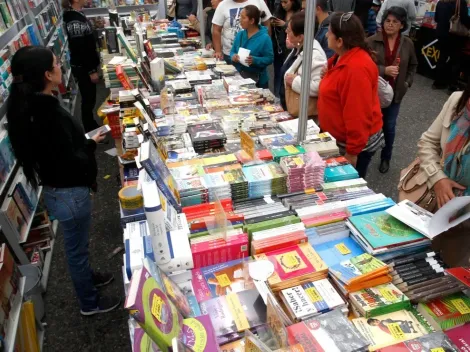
(84, 58)
(51, 148)
(450, 45)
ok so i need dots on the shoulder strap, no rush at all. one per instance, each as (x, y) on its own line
(457, 8)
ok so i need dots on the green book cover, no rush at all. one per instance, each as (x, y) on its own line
(378, 300)
(383, 230)
(269, 224)
(448, 312)
(6, 14)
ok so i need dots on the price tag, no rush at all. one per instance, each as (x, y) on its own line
(290, 260)
(396, 331)
(461, 306)
(169, 288)
(388, 294)
(313, 294)
(298, 161)
(229, 177)
(291, 149)
(157, 306)
(223, 280)
(341, 247)
(438, 349)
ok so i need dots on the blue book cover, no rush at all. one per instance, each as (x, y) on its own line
(371, 207)
(340, 173)
(382, 230)
(332, 252)
(354, 267)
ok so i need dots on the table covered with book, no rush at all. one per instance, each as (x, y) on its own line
(238, 237)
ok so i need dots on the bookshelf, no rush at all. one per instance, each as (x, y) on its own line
(47, 261)
(122, 10)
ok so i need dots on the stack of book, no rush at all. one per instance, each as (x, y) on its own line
(207, 135)
(265, 179)
(304, 171)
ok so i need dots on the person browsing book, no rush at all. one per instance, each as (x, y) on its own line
(444, 152)
(84, 58)
(293, 66)
(256, 39)
(52, 149)
(397, 63)
(226, 24)
(348, 101)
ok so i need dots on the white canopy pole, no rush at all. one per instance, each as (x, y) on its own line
(202, 23)
(309, 37)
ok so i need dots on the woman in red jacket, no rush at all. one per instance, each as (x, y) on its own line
(348, 101)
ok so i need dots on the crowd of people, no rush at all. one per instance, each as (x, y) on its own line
(356, 42)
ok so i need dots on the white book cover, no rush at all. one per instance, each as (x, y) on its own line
(261, 235)
(451, 214)
(298, 301)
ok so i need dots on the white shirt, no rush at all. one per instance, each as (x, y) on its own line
(227, 15)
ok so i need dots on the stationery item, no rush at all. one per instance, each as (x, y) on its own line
(448, 312)
(243, 55)
(98, 131)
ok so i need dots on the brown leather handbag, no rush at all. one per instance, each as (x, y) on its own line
(413, 186)
(293, 101)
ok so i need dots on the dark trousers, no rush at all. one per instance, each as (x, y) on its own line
(363, 161)
(389, 116)
(278, 62)
(88, 93)
(449, 63)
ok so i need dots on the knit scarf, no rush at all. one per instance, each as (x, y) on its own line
(456, 163)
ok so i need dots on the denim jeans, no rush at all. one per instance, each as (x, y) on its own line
(363, 161)
(72, 207)
(390, 116)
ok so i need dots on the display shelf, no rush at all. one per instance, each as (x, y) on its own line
(8, 179)
(41, 335)
(64, 48)
(30, 223)
(122, 10)
(38, 9)
(50, 37)
(14, 318)
(47, 261)
(13, 31)
(67, 76)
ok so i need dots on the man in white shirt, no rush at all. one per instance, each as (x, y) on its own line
(226, 24)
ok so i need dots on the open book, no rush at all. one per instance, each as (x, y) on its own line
(453, 213)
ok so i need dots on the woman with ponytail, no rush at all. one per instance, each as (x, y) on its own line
(348, 102)
(52, 149)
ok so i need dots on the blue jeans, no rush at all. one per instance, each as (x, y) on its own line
(72, 207)
(363, 161)
(390, 116)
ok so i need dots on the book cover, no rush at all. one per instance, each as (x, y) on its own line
(151, 308)
(199, 334)
(460, 336)
(293, 262)
(334, 252)
(330, 332)
(447, 312)
(359, 268)
(235, 312)
(434, 342)
(16, 218)
(383, 230)
(391, 328)
(379, 300)
(142, 342)
(221, 279)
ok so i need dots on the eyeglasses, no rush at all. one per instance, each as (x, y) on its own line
(345, 18)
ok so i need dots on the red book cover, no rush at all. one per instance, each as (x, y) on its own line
(460, 337)
(122, 76)
(461, 274)
(300, 333)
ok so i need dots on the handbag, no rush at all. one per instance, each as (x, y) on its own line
(413, 186)
(293, 101)
(385, 93)
(456, 26)
(171, 9)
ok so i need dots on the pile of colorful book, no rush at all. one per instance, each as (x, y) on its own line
(248, 240)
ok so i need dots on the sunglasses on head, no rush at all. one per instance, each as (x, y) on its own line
(345, 18)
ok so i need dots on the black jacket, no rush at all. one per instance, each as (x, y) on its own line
(445, 9)
(65, 158)
(82, 42)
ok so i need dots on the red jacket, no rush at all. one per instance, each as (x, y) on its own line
(348, 100)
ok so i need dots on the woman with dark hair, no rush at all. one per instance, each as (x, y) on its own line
(450, 45)
(255, 38)
(84, 58)
(293, 66)
(53, 151)
(445, 160)
(348, 103)
(397, 63)
(282, 16)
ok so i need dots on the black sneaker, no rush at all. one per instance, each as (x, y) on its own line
(106, 304)
(102, 279)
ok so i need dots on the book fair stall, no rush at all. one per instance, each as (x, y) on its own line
(245, 230)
